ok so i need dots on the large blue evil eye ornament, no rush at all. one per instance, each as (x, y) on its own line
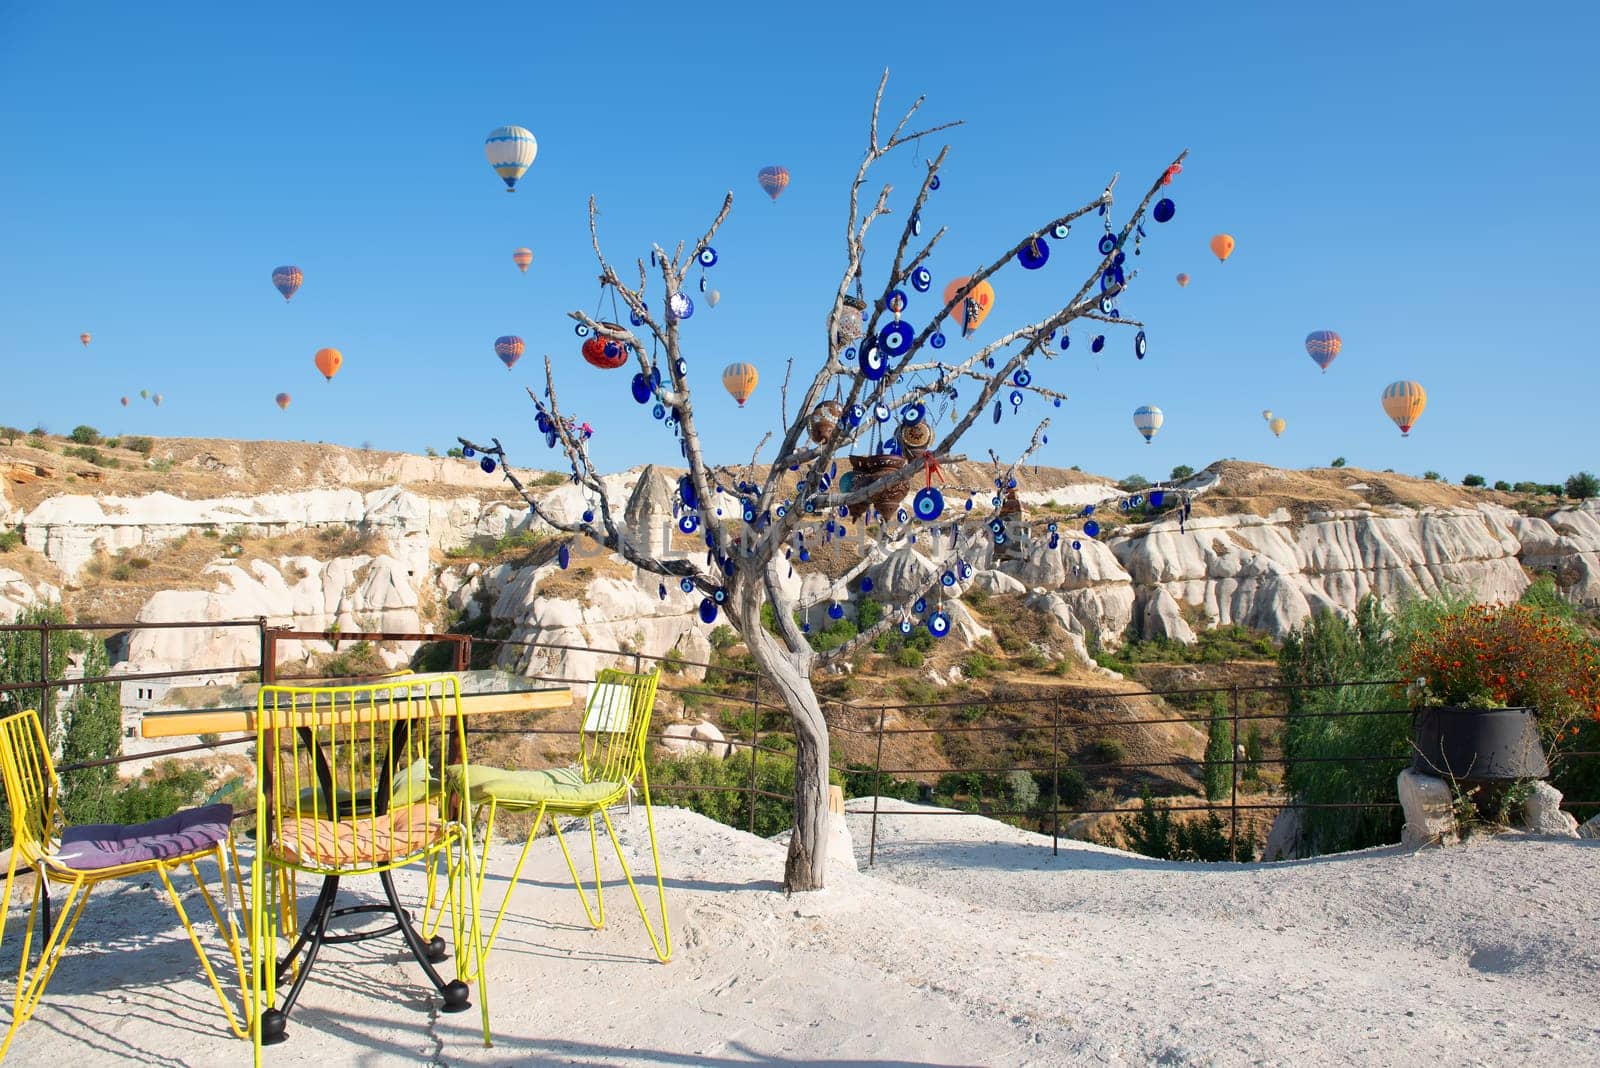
(1034, 253)
(905, 626)
(895, 300)
(896, 337)
(719, 594)
(1139, 344)
(913, 412)
(836, 611)
(1156, 497)
(928, 504)
(686, 585)
(563, 557)
(1092, 529)
(707, 257)
(658, 412)
(469, 452)
(487, 463)
(947, 579)
(881, 412)
(937, 340)
(922, 279)
(1022, 376)
(1060, 231)
(1108, 245)
(965, 571)
(997, 411)
(921, 606)
(1098, 343)
(939, 624)
(581, 330)
(635, 318)
(873, 363)
(680, 306)
(686, 492)
(916, 225)
(1016, 398)
(708, 610)
(1164, 210)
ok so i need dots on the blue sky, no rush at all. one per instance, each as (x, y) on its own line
(1416, 177)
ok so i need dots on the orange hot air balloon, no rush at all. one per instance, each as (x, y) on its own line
(328, 361)
(283, 400)
(739, 379)
(84, 337)
(1222, 246)
(1183, 280)
(971, 313)
(522, 257)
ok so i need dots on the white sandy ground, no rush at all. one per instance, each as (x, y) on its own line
(969, 943)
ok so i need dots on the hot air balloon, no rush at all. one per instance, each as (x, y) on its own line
(84, 337)
(144, 394)
(713, 297)
(1403, 402)
(773, 180)
(511, 150)
(283, 400)
(975, 309)
(124, 402)
(522, 257)
(1183, 280)
(509, 349)
(1267, 415)
(328, 361)
(1147, 419)
(1222, 246)
(1277, 426)
(739, 379)
(286, 280)
(1323, 346)
(155, 398)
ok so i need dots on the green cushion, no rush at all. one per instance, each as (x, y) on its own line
(410, 787)
(558, 786)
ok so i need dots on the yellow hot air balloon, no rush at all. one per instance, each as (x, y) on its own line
(1267, 415)
(84, 337)
(522, 257)
(328, 361)
(1277, 426)
(971, 312)
(1403, 402)
(739, 379)
(1222, 246)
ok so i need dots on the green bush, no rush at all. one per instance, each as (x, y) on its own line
(673, 662)
(978, 665)
(1107, 751)
(1181, 472)
(10, 434)
(549, 478)
(139, 444)
(723, 637)
(1338, 461)
(1133, 483)
(1219, 751)
(84, 452)
(774, 774)
(1502, 485)
(9, 539)
(84, 434)
(1476, 481)
(908, 657)
(1432, 476)
(1582, 486)
(1153, 832)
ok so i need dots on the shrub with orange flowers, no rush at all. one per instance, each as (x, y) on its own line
(1508, 657)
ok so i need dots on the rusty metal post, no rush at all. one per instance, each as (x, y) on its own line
(877, 785)
(45, 696)
(463, 645)
(269, 676)
(1233, 769)
(1055, 780)
(755, 748)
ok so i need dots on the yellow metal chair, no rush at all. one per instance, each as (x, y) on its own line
(616, 725)
(84, 857)
(344, 790)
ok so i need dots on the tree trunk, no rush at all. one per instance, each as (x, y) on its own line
(807, 863)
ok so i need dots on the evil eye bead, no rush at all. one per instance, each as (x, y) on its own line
(563, 557)
(635, 318)
(1034, 253)
(939, 624)
(905, 626)
(1077, 545)
(922, 279)
(965, 571)
(913, 413)
(836, 611)
(921, 606)
(937, 340)
(720, 595)
(1098, 343)
(680, 306)
(1051, 527)
(469, 452)
(1022, 376)
(1015, 398)
(708, 610)
(933, 183)
(689, 524)
(900, 516)
(581, 330)
(588, 515)
(895, 300)
(1091, 529)
(1139, 344)
(947, 579)
(916, 223)
(1001, 538)
(866, 585)
(707, 257)
(881, 413)
(873, 363)
(896, 338)
(996, 526)
(686, 491)
(1107, 306)
(1060, 231)
(856, 414)
(928, 504)
(1156, 497)
(658, 412)
(1164, 210)
(1108, 245)
(487, 463)
(681, 365)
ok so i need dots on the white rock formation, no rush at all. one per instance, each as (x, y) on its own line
(17, 594)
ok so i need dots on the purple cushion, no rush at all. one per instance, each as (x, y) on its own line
(106, 845)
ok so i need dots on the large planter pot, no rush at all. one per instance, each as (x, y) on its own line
(1479, 745)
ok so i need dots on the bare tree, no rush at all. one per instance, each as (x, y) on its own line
(869, 360)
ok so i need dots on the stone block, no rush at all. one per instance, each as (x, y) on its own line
(1430, 814)
(1541, 813)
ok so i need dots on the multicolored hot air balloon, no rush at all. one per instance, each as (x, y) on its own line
(1322, 346)
(1183, 280)
(739, 379)
(282, 400)
(1222, 246)
(328, 361)
(522, 257)
(84, 337)
(1267, 415)
(773, 180)
(1403, 402)
(975, 308)
(155, 398)
(286, 280)
(1147, 420)
(1277, 427)
(509, 349)
(511, 150)
(144, 394)
(124, 402)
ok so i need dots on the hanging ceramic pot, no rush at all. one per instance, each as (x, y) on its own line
(824, 417)
(914, 438)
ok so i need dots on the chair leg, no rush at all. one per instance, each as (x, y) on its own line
(596, 915)
(30, 989)
(663, 945)
(230, 934)
(516, 872)
(468, 894)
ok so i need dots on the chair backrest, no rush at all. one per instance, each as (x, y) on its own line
(355, 769)
(616, 722)
(31, 784)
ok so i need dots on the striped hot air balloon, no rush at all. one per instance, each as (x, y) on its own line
(509, 349)
(522, 257)
(282, 400)
(739, 379)
(774, 180)
(1183, 280)
(1322, 346)
(1403, 402)
(1147, 420)
(511, 150)
(286, 280)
